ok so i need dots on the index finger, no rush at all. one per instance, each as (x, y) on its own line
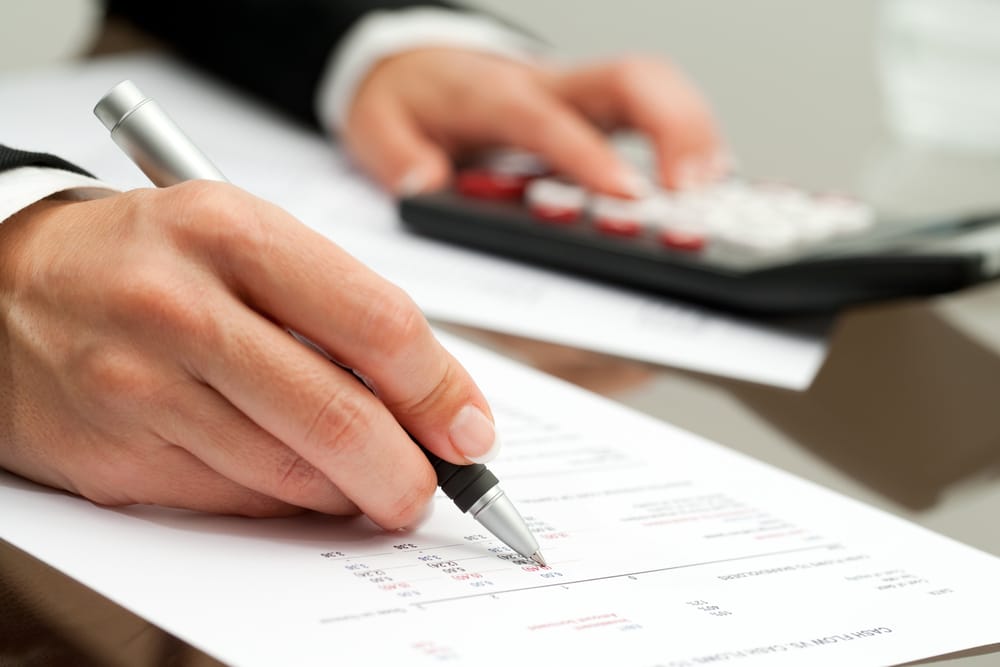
(541, 123)
(307, 283)
(651, 96)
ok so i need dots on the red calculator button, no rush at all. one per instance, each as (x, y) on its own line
(557, 215)
(485, 184)
(618, 227)
(681, 240)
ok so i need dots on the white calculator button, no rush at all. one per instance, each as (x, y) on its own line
(618, 217)
(777, 238)
(551, 200)
(555, 193)
(723, 221)
(663, 210)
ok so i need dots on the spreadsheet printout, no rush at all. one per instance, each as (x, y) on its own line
(663, 549)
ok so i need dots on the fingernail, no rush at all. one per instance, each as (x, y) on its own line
(413, 182)
(473, 434)
(633, 183)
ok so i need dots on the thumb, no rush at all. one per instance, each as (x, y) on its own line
(391, 147)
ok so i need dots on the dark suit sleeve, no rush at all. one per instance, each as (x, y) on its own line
(11, 158)
(276, 49)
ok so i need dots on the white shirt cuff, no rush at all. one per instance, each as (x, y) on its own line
(384, 33)
(22, 187)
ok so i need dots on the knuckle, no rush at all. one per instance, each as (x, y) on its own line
(201, 196)
(528, 114)
(447, 389)
(508, 81)
(217, 217)
(635, 73)
(156, 298)
(395, 321)
(506, 84)
(510, 93)
(540, 124)
(297, 479)
(114, 378)
(341, 425)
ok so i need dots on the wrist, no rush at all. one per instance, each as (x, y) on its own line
(16, 234)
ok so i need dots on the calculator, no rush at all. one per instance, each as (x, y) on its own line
(752, 247)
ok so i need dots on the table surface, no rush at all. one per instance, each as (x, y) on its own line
(900, 416)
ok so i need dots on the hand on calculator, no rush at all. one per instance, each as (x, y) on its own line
(420, 110)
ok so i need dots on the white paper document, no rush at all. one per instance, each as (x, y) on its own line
(663, 549)
(262, 152)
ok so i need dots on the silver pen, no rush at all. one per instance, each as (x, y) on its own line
(164, 153)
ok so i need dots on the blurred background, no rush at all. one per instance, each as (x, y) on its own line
(847, 96)
(770, 68)
(892, 100)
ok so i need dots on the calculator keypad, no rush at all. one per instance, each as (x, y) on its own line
(746, 217)
(757, 247)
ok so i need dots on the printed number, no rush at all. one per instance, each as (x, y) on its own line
(395, 586)
(444, 563)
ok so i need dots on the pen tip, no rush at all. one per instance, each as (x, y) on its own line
(537, 557)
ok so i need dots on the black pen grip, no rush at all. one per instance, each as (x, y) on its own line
(463, 484)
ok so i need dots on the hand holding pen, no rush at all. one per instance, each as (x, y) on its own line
(148, 362)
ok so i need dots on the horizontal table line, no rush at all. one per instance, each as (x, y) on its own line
(620, 575)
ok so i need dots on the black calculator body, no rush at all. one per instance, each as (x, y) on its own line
(885, 261)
